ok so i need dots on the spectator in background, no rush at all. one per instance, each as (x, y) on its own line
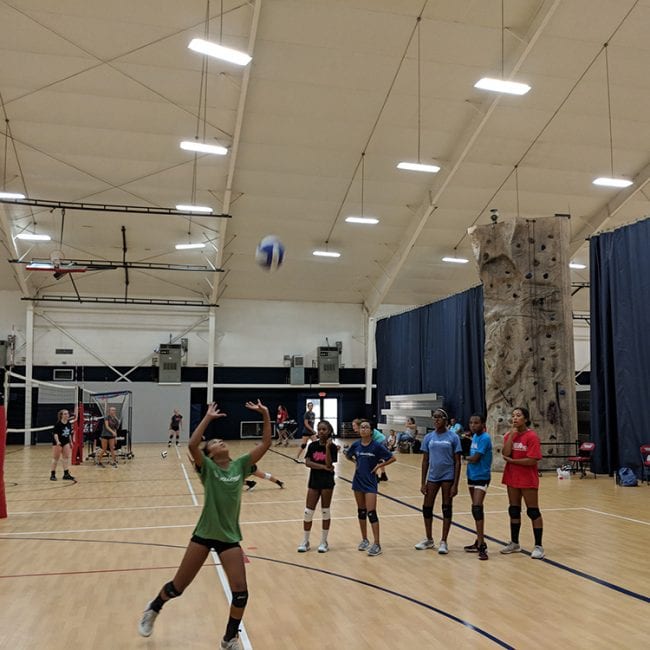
(308, 432)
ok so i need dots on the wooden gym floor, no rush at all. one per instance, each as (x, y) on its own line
(79, 561)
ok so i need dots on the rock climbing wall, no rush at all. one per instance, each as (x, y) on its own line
(529, 358)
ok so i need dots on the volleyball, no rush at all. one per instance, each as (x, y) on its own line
(269, 253)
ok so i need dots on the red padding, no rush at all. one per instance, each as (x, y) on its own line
(3, 446)
(78, 444)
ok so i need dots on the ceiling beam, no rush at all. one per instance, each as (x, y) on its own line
(234, 149)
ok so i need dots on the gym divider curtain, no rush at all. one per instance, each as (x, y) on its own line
(437, 348)
(620, 345)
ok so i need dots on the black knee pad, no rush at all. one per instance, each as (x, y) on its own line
(514, 512)
(533, 513)
(239, 599)
(171, 591)
(304, 444)
(372, 517)
(362, 513)
(447, 510)
(477, 513)
(427, 512)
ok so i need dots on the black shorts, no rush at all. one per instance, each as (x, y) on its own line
(321, 481)
(63, 443)
(471, 482)
(215, 544)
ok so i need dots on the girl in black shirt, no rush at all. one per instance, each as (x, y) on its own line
(62, 445)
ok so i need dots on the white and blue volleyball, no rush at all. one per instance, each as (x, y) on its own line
(269, 253)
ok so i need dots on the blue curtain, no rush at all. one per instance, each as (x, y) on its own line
(437, 348)
(620, 345)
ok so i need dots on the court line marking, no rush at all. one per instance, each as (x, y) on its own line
(609, 514)
(243, 635)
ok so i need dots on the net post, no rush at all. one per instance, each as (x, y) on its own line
(78, 444)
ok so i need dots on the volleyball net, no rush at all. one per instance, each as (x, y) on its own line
(88, 409)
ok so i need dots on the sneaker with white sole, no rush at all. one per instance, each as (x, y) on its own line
(510, 547)
(442, 549)
(250, 485)
(233, 644)
(323, 547)
(364, 545)
(425, 544)
(375, 549)
(145, 626)
(472, 548)
(304, 547)
(538, 553)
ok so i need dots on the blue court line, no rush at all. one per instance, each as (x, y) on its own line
(397, 594)
(415, 601)
(558, 565)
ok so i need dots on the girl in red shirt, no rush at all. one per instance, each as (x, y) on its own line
(522, 451)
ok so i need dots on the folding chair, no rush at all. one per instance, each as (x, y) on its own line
(582, 460)
(645, 463)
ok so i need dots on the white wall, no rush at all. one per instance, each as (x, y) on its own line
(249, 333)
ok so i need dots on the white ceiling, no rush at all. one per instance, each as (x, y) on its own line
(97, 96)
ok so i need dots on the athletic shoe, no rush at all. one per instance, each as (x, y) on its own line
(280, 484)
(304, 547)
(169, 444)
(163, 454)
(375, 549)
(145, 626)
(442, 549)
(482, 552)
(383, 477)
(538, 553)
(425, 544)
(177, 443)
(100, 465)
(364, 545)
(510, 547)
(323, 547)
(472, 548)
(250, 485)
(68, 477)
(114, 465)
(52, 477)
(233, 644)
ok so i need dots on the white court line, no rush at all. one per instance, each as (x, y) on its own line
(92, 530)
(243, 636)
(50, 512)
(609, 514)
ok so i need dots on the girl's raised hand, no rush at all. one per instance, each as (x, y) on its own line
(213, 412)
(257, 406)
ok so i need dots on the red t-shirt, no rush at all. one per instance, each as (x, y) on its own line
(525, 445)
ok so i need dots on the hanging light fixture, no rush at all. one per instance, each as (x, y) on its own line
(217, 50)
(502, 85)
(455, 260)
(610, 181)
(362, 218)
(419, 166)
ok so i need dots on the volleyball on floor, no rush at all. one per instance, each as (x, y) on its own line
(269, 253)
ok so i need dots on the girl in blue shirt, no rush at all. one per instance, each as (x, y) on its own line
(370, 457)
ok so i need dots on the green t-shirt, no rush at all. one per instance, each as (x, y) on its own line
(220, 516)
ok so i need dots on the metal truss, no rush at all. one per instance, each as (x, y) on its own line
(105, 265)
(108, 300)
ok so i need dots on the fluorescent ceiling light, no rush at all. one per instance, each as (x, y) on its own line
(418, 167)
(11, 195)
(184, 247)
(192, 145)
(30, 236)
(219, 51)
(368, 220)
(502, 86)
(603, 181)
(40, 266)
(575, 265)
(326, 254)
(194, 208)
(455, 260)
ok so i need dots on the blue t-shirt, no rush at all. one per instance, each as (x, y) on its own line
(481, 444)
(378, 436)
(367, 459)
(442, 449)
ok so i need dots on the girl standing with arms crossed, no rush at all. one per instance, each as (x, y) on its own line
(320, 458)
(522, 451)
(218, 525)
(370, 457)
